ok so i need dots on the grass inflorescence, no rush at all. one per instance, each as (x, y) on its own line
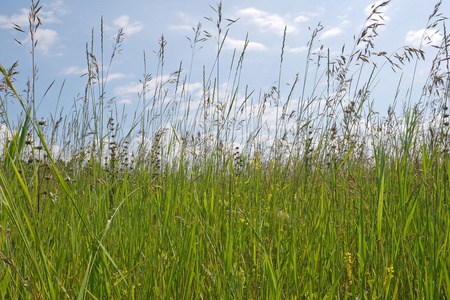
(206, 199)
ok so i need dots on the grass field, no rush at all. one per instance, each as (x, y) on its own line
(343, 203)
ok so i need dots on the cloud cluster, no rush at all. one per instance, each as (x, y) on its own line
(74, 70)
(423, 37)
(50, 14)
(46, 39)
(7, 22)
(335, 31)
(239, 44)
(300, 49)
(265, 21)
(274, 23)
(128, 28)
(6, 134)
(379, 17)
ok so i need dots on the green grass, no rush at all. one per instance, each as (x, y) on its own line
(331, 210)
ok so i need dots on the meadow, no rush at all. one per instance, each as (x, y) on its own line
(343, 203)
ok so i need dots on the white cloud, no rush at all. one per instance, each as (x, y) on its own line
(57, 6)
(125, 101)
(266, 22)
(182, 28)
(74, 70)
(5, 133)
(128, 28)
(49, 14)
(185, 17)
(345, 23)
(331, 33)
(335, 31)
(195, 86)
(46, 38)
(305, 16)
(380, 17)
(297, 49)
(301, 19)
(136, 87)
(239, 44)
(131, 88)
(430, 37)
(113, 76)
(19, 19)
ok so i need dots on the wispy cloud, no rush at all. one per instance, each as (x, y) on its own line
(266, 21)
(296, 49)
(380, 17)
(5, 134)
(185, 23)
(136, 87)
(74, 70)
(7, 22)
(275, 23)
(50, 14)
(125, 101)
(335, 31)
(306, 16)
(114, 76)
(181, 28)
(46, 39)
(57, 6)
(239, 44)
(128, 28)
(186, 18)
(332, 32)
(131, 88)
(430, 37)
(301, 19)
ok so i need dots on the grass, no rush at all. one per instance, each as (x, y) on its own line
(343, 203)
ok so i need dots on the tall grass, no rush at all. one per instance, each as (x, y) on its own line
(212, 201)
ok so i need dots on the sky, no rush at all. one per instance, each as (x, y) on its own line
(67, 26)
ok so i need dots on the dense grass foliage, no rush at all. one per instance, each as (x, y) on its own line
(261, 234)
(343, 203)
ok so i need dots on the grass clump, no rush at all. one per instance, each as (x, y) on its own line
(340, 203)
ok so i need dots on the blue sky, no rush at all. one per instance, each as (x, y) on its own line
(67, 27)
